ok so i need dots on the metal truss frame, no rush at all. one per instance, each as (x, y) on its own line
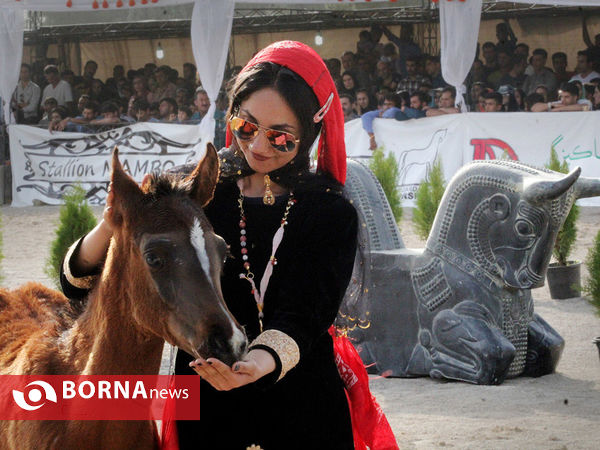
(270, 18)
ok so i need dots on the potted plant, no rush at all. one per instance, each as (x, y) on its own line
(564, 275)
(592, 285)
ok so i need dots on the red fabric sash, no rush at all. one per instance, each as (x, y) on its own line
(168, 431)
(370, 427)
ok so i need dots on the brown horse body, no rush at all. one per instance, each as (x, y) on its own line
(160, 282)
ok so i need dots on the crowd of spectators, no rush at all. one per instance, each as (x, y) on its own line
(62, 101)
(396, 80)
(393, 80)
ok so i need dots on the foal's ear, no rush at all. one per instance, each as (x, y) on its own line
(127, 194)
(205, 176)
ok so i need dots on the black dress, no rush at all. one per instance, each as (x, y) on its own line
(307, 407)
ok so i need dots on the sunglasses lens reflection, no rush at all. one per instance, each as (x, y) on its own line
(281, 141)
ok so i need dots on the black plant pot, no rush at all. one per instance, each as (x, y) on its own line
(597, 342)
(564, 281)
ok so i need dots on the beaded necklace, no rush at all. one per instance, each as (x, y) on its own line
(259, 296)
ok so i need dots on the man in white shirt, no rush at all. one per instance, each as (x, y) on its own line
(57, 88)
(26, 98)
(585, 73)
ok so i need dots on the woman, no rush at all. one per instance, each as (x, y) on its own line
(596, 97)
(348, 84)
(287, 392)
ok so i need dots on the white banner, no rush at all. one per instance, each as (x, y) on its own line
(44, 165)
(459, 138)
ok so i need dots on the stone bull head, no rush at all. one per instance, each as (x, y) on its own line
(461, 308)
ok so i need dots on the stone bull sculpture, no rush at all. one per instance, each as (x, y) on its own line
(461, 308)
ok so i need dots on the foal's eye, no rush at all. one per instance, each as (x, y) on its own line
(154, 261)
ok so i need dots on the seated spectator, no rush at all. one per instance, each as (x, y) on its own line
(202, 103)
(363, 73)
(569, 101)
(419, 101)
(89, 70)
(559, 64)
(477, 89)
(493, 102)
(477, 73)
(81, 102)
(99, 92)
(386, 77)
(184, 114)
(347, 107)
(585, 71)
(141, 111)
(533, 99)
(433, 69)
(391, 105)
(167, 109)
(516, 75)
(413, 79)
(509, 103)
(189, 75)
(154, 111)
(140, 91)
(543, 91)
(182, 97)
(520, 99)
(364, 102)
(541, 74)
(488, 50)
(57, 88)
(348, 84)
(109, 114)
(164, 88)
(47, 107)
(447, 100)
(89, 113)
(26, 98)
(57, 114)
(505, 65)
(596, 101)
(348, 61)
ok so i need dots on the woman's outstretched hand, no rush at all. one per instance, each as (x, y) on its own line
(258, 363)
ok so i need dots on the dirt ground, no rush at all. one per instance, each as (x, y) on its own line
(559, 411)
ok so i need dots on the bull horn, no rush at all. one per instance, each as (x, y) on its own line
(541, 191)
(587, 187)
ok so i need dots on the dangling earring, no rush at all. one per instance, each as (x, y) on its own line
(269, 198)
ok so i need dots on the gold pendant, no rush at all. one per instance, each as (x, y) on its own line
(269, 198)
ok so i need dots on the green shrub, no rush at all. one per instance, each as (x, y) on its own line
(76, 219)
(592, 285)
(568, 232)
(386, 171)
(428, 198)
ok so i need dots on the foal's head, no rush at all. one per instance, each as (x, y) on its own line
(173, 260)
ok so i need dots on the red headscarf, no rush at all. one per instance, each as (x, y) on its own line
(304, 61)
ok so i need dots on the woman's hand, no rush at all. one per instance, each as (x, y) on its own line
(258, 363)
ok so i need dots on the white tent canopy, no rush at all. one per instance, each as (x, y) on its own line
(211, 29)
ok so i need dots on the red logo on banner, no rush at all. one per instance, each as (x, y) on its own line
(98, 397)
(482, 148)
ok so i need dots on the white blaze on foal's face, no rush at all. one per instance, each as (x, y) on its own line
(238, 339)
(199, 243)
